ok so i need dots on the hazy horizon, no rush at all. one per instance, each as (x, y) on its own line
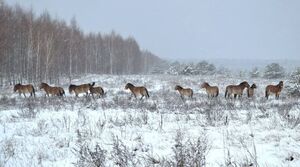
(258, 30)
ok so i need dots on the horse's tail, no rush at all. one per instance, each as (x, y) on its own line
(217, 92)
(248, 92)
(226, 91)
(93, 83)
(267, 93)
(62, 92)
(33, 91)
(147, 94)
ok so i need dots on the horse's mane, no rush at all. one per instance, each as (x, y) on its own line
(72, 86)
(243, 83)
(129, 84)
(205, 83)
(179, 87)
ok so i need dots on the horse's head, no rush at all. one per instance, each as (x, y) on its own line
(16, 87)
(177, 87)
(128, 85)
(204, 85)
(42, 85)
(71, 88)
(245, 84)
(253, 86)
(280, 84)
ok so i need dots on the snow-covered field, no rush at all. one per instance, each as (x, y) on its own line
(160, 131)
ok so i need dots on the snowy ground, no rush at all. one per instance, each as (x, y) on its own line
(160, 131)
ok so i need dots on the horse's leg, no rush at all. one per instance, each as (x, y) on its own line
(142, 97)
(234, 95)
(181, 97)
(24, 94)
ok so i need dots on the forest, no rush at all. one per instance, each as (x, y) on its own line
(35, 48)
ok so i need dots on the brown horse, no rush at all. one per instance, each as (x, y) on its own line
(275, 89)
(77, 89)
(97, 90)
(24, 89)
(184, 91)
(141, 90)
(250, 91)
(212, 91)
(236, 90)
(54, 91)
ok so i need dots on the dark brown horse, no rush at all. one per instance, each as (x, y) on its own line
(77, 89)
(54, 91)
(141, 90)
(274, 89)
(236, 90)
(212, 91)
(22, 89)
(97, 90)
(250, 91)
(184, 91)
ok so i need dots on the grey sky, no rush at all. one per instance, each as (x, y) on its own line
(193, 29)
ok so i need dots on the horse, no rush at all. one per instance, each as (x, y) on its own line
(212, 91)
(54, 91)
(236, 90)
(97, 90)
(24, 89)
(77, 89)
(250, 91)
(141, 90)
(184, 91)
(275, 89)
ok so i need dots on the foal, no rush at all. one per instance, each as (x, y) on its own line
(250, 91)
(274, 89)
(141, 90)
(184, 91)
(97, 90)
(212, 91)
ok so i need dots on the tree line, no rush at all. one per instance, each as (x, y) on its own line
(41, 48)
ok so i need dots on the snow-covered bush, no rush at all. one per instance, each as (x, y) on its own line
(204, 68)
(90, 157)
(293, 84)
(175, 68)
(274, 70)
(190, 152)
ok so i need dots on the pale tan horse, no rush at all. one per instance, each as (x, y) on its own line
(212, 91)
(23, 89)
(97, 90)
(274, 89)
(250, 91)
(184, 91)
(54, 91)
(141, 90)
(78, 89)
(236, 90)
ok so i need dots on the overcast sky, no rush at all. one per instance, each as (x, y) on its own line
(191, 29)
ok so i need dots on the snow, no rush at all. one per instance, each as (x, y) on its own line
(46, 131)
